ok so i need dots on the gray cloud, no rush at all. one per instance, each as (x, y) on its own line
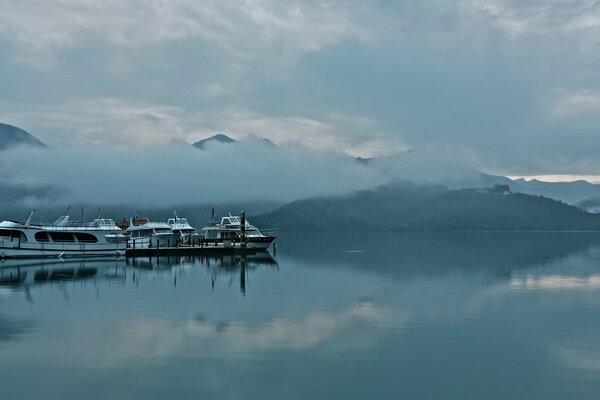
(510, 84)
(177, 173)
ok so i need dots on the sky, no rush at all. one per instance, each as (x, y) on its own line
(510, 86)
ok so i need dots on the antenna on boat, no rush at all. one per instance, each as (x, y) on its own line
(28, 222)
(176, 217)
(98, 213)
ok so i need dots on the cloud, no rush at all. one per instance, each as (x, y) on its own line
(564, 103)
(142, 124)
(177, 173)
(564, 20)
(244, 30)
(511, 83)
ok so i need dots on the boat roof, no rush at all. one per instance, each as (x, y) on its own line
(149, 225)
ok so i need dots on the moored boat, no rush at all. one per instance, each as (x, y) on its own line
(149, 234)
(184, 233)
(62, 238)
(236, 230)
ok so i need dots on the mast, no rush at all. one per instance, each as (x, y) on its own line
(28, 222)
(243, 228)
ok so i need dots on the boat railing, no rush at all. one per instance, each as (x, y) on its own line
(73, 227)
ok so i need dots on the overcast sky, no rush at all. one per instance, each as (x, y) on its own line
(512, 86)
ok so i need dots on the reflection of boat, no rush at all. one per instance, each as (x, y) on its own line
(234, 230)
(183, 231)
(21, 273)
(63, 238)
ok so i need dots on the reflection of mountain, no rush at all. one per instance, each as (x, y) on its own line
(424, 254)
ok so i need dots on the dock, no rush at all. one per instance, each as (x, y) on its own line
(191, 251)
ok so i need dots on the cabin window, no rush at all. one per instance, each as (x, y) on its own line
(86, 237)
(229, 235)
(11, 234)
(42, 237)
(62, 237)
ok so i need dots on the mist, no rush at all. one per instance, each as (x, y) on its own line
(177, 173)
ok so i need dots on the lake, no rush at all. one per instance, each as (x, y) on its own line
(407, 315)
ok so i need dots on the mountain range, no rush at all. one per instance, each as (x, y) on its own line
(402, 206)
(426, 192)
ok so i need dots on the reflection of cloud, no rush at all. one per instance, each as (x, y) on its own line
(555, 282)
(157, 338)
(579, 357)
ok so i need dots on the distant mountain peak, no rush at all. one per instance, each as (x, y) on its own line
(267, 142)
(218, 138)
(12, 136)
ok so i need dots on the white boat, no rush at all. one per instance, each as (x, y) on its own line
(185, 234)
(148, 234)
(229, 232)
(62, 238)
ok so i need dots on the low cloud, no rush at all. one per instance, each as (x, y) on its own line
(177, 173)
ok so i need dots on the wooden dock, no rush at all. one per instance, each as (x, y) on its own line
(192, 251)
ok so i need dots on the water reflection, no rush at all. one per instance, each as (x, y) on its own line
(404, 255)
(22, 274)
(490, 316)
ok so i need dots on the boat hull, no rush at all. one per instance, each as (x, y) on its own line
(28, 250)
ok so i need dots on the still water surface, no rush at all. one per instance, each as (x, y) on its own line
(419, 316)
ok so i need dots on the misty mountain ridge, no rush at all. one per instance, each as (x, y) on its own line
(423, 167)
(11, 136)
(224, 139)
(417, 166)
(403, 206)
(218, 138)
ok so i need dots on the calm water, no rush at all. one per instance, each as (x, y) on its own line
(418, 316)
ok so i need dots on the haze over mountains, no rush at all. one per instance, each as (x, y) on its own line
(414, 190)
